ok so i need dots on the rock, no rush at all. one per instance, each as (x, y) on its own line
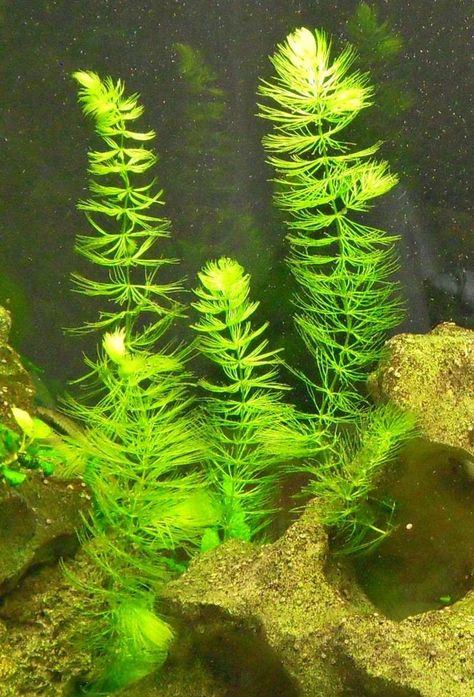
(5, 325)
(432, 375)
(44, 626)
(16, 386)
(430, 554)
(287, 610)
(284, 610)
(38, 524)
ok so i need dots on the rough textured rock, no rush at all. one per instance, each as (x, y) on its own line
(16, 386)
(284, 610)
(430, 555)
(281, 620)
(432, 375)
(39, 519)
(38, 524)
(43, 635)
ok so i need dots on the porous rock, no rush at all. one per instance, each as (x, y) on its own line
(16, 385)
(432, 375)
(286, 610)
(282, 619)
(38, 524)
(44, 627)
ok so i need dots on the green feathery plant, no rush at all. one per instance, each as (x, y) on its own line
(122, 216)
(347, 478)
(251, 432)
(346, 301)
(139, 441)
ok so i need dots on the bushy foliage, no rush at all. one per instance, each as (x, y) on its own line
(347, 300)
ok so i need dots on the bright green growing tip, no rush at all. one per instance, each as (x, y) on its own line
(103, 99)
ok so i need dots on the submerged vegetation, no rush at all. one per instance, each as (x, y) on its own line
(178, 465)
(30, 451)
(250, 431)
(346, 301)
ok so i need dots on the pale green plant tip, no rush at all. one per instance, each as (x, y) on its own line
(114, 345)
(141, 630)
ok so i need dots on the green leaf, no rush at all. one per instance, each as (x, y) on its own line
(13, 477)
(24, 421)
(40, 429)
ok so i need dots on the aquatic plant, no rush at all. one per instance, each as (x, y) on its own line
(122, 216)
(347, 300)
(32, 450)
(251, 432)
(169, 478)
(139, 439)
(379, 51)
(347, 478)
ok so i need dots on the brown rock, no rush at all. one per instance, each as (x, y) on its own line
(38, 524)
(16, 386)
(284, 610)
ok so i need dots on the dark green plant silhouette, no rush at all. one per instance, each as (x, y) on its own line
(379, 48)
(203, 193)
(375, 40)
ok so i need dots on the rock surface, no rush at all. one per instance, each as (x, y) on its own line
(283, 620)
(38, 524)
(44, 627)
(287, 610)
(432, 375)
(16, 386)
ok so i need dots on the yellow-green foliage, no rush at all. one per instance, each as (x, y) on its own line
(251, 432)
(140, 442)
(346, 301)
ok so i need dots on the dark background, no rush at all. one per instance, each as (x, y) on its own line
(211, 162)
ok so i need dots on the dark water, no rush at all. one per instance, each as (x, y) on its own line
(212, 165)
(426, 563)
